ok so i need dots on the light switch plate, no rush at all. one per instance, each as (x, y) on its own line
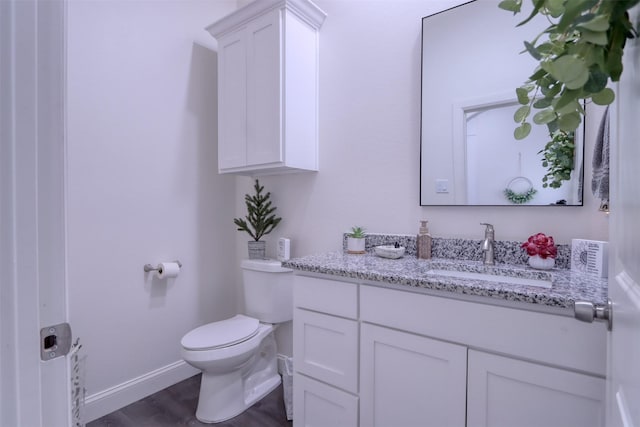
(442, 185)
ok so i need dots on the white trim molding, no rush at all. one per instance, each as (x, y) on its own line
(304, 9)
(106, 401)
(32, 243)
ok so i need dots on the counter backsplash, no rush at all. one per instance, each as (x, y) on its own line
(506, 251)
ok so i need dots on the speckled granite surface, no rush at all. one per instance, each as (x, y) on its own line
(508, 252)
(567, 287)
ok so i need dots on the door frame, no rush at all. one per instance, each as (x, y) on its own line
(32, 208)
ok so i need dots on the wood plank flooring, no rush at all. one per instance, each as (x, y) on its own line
(176, 406)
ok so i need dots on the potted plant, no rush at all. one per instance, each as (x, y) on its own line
(259, 221)
(579, 55)
(356, 240)
(542, 251)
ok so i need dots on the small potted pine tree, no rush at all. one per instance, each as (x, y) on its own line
(259, 221)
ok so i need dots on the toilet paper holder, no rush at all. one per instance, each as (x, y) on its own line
(149, 267)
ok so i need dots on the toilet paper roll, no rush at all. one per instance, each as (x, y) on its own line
(167, 269)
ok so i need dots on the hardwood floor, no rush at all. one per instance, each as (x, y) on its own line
(176, 406)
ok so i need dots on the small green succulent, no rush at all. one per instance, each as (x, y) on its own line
(357, 232)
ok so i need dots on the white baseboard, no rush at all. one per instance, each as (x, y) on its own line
(121, 395)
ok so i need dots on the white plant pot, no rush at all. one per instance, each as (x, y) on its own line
(541, 263)
(356, 245)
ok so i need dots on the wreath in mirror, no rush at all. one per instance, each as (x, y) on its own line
(520, 197)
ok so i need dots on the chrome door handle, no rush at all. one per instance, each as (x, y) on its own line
(588, 312)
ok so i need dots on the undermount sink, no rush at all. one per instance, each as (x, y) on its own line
(526, 281)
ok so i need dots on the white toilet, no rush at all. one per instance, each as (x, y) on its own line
(238, 356)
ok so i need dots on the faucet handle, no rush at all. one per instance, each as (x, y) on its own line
(489, 227)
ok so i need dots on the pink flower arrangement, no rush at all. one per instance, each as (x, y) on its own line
(541, 245)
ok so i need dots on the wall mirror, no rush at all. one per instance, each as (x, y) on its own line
(471, 65)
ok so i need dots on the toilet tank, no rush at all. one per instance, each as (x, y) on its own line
(268, 290)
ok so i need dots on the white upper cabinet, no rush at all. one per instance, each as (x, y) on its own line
(268, 87)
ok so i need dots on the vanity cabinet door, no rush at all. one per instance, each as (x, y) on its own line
(326, 348)
(319, 405)
(506, 392)
(410, 380)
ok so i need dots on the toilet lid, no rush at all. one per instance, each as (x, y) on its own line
(221, 334)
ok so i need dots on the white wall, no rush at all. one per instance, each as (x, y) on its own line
(369, 145)
(143, 186)
(369, 124)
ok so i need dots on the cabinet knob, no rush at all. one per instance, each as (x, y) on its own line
(588, 312)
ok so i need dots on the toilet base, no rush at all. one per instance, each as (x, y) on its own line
(224, 396)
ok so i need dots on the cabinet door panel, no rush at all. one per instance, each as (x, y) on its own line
(319, 405)
(232, 101)
(410, 380)
(264, 90)
(326, 347)
(509, 392)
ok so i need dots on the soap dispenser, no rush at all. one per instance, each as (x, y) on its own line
(423, 242)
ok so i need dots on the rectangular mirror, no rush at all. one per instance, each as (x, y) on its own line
(471, 66)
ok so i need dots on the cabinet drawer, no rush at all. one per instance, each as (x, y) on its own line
(326, 348)
(317, 404)
(327, 296)
(552, 339)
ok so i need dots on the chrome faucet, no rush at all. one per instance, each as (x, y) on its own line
(487, 244)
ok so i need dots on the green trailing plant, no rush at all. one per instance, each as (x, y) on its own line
(578, 54)
(357, 232)
(558, 157)
(260, 219)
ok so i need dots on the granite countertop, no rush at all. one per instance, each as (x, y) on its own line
(567, 286)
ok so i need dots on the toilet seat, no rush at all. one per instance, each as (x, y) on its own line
(220, 334)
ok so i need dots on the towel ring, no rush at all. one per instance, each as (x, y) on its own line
(520, 198)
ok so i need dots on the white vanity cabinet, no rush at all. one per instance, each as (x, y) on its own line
(427, 360)
(267, 87)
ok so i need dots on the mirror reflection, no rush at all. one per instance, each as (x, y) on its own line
(471, 65)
